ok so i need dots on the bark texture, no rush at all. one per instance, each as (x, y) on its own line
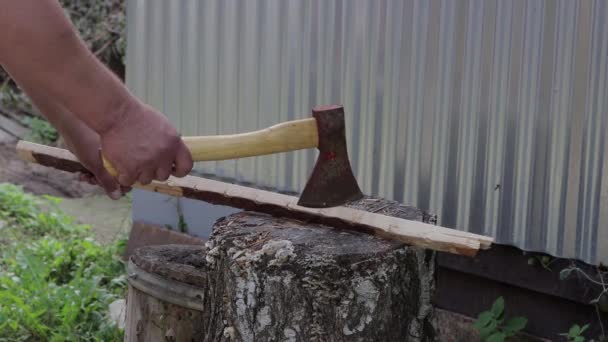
(265, 278)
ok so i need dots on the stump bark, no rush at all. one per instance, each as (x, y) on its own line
(263, 278)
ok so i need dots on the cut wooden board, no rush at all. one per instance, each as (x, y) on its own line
(410, 232)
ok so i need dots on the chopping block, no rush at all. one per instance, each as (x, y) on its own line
(263, 278)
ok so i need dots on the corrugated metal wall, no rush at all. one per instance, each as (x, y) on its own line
(491, 114)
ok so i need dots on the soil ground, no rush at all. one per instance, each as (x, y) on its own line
(88, 204)
(38, 179)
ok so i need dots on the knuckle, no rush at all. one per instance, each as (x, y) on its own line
(125, 180)
(163, 176)
(145, 181)
(175, 139)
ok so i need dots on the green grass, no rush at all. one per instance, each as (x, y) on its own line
(56, 282)
(41, 131)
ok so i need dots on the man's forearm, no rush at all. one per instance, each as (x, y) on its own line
(40, 48)
(66, 123)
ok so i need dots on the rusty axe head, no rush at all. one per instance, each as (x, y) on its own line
(332, 181)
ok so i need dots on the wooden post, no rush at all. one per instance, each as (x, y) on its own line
(264, 278)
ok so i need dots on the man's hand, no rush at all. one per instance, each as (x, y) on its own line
(144, 146)
(85, 144)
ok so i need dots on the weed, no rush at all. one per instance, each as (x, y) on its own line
(181, 223)
(600, 302)
(575, 333)
(56, 282)
(490, 323)
(545, 261)
(41, 131)
(10, 95)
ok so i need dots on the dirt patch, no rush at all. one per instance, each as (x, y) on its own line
(88, 204)
(38, 179)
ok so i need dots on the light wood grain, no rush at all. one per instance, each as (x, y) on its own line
(216, 192)
(283, 137)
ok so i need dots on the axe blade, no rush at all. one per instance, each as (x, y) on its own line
(332, 181)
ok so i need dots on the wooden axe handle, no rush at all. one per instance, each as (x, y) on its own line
(283, 137)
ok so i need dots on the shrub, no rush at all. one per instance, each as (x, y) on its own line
(41, 131)
(56, 282)
(492, 325)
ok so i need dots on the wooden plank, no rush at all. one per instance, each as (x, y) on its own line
(410, 232)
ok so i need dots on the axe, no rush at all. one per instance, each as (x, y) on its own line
(330, 185)
(331, 182)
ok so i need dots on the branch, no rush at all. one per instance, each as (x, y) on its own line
(105, 45)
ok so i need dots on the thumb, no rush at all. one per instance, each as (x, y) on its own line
(109, 184)
(183, 161)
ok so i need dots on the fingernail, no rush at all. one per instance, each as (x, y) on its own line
(116, 194)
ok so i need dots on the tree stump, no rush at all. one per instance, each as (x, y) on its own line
(263, 278)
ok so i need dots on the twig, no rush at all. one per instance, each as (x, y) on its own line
(381, 208)
(111, 30)
(105, 46)
(262, 238)
(604, 293)
(599, 273)
(599, 319)
(6, 80)
(589, 278)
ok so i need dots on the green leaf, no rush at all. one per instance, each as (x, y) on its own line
(56, 281)
(575, 330)
(497, 337)
(488, 330)
(515, 324)
(585, 327)
(498, 306)
(579, 339)
(483, 320)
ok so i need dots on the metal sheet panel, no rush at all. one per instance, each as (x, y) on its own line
(491, 114)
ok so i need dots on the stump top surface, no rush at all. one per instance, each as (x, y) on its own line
(248, 230)
(250, 233)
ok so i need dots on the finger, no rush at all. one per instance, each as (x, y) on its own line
(146, 177)
(109, 184)
(163, 173)
(126, 179)
(183, 162)
(88, 178)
